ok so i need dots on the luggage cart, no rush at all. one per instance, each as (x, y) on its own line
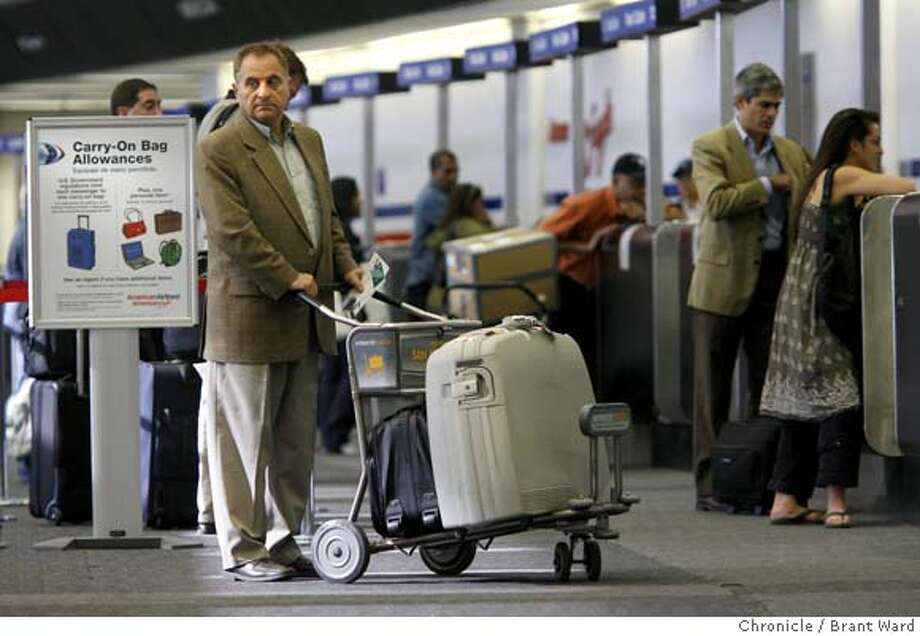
(386, 364)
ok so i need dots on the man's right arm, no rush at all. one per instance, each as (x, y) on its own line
(231, 228)
(563, 222)
(721, 198)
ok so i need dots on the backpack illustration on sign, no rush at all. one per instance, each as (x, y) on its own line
(170, 252)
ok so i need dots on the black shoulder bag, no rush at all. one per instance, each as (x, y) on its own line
(839, 278)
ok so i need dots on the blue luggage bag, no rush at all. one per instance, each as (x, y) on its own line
(81, 245)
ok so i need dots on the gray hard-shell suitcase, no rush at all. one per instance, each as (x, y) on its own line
(890, 234)
(503, 405)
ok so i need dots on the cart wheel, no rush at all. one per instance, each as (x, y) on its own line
(450, 560)
(53, 514)
(562, 562)
(340, 551)
(593, 560)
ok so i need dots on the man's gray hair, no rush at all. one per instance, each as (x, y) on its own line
(755, 79)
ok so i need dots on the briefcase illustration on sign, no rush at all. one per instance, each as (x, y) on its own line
(134, 223)
(81, 245)
(133, 253)
(167, 221)
(170, 252)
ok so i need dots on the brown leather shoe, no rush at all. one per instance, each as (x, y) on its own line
(261, 571)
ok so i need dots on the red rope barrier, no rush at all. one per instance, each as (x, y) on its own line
(17, 291)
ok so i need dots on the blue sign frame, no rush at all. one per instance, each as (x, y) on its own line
(700, 9)
(360, 85)
(637, 19)
(498, 57)
(437, 71)
(572, 39)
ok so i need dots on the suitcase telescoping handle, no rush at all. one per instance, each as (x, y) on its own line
(80, 219)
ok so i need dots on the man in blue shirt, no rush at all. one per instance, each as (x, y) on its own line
(428, 210)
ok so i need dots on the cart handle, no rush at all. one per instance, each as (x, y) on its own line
(379, 295)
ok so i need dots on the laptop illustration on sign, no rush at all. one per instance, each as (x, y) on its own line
(133, 253)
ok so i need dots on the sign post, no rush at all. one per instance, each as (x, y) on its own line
(112, 249)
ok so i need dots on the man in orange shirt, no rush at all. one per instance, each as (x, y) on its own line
(579, 224)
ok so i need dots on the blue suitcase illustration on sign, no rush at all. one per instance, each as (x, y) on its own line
(81, 245)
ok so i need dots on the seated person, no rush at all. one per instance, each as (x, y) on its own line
(466, 216)
(579, 224)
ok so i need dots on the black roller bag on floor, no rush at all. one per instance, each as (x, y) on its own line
(60, 482)
(402, 495)
(742, 463)
(169, 396)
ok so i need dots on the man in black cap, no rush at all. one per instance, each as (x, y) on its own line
(690, 205)
(579, 224)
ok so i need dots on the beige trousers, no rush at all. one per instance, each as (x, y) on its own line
(205, 508)
(261, 429)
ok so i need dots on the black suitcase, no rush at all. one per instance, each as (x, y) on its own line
(50, 353)
(743, 457)
(402, 494)
(169, 396)
(60, 482)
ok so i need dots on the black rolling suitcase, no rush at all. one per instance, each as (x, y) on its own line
(60, 483)
(402, 495)
(169, 396)
(742, 463)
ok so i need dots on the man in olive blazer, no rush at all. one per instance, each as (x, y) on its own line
(748, 180)
(264, 189)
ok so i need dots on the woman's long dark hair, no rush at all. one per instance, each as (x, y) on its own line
(462, 198)
(847, 125)
(344, 191)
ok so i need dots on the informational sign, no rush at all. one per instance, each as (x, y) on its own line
(700, 9)
(636, 19)
(498, 57)
(439, 71)
(111, 222)
(360, 85)
(571, 39)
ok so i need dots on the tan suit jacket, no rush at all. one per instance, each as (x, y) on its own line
(734, 223)
(259, 241)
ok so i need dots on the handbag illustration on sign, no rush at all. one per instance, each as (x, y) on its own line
(167, 221)
(81, 245)
(134, 223)
(170, 252)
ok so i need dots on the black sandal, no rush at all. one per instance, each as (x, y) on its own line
(842, 524)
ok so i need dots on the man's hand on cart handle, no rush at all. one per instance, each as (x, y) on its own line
(305, 283)
(355, 278)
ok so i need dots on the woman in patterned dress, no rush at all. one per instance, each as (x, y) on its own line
(814, 374)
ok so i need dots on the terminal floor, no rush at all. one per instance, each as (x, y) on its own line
(668, 561)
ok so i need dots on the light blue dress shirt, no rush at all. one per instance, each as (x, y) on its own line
(765, 166)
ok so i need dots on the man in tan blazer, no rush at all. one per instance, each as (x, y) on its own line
(747, 179)
(264, 189)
